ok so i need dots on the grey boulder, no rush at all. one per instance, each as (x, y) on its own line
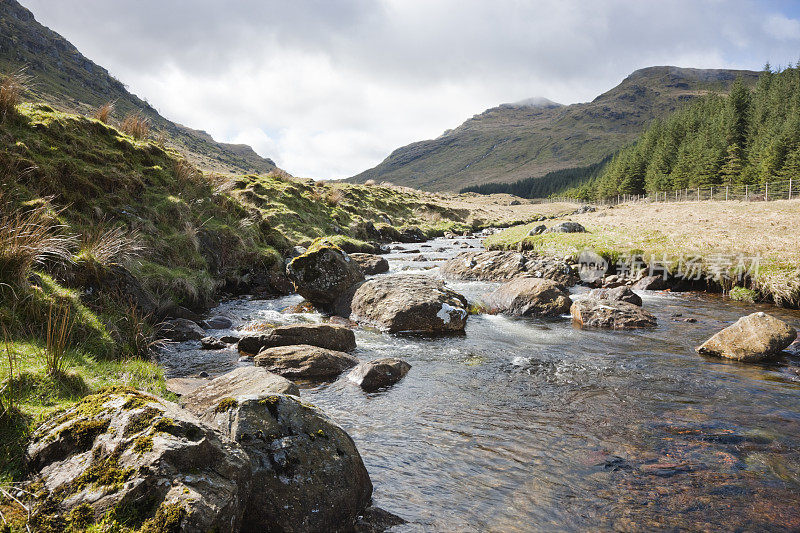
(379, 373)
(534, 297)
(751, 338)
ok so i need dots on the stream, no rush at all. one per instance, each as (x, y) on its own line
(531, 424)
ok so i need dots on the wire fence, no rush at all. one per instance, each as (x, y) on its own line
(759, 192)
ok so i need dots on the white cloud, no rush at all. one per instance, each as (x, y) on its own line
(328, 89)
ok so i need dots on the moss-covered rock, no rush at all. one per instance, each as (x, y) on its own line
(324, 274)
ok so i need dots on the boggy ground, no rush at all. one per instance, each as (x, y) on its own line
(714, 232)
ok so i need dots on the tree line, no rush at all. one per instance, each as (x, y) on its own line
(748, 136)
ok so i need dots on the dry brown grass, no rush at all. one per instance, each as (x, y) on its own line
(136, 125)
(334, 196)
(186, 173)
(11, 88)
(57, 338)
(29, 236)
(369, 183)
(103, 113)
(110, 247)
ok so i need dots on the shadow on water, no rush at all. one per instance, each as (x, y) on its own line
(523, 425)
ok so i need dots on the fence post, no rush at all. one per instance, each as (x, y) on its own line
(726, 193)
(747, 193)
(766, 192)
(712, 192)
(790, 189)
(698, 194)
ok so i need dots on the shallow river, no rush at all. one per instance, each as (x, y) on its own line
(525, 424)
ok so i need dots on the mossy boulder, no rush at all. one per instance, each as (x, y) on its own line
(409, 303)
(323, 274)
(137, 458)
(307, 472)
(228, 388)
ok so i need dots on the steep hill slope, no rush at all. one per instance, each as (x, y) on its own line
(516, 141)
(66, 79)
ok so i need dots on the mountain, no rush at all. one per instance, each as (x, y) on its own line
(67, 80)
(533, 137)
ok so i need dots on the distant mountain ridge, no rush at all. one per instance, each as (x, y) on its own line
(517, 141)
(66, 79)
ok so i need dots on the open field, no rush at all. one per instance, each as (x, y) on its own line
(713, 231)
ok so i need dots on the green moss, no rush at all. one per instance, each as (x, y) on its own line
(168, 519)
(143, 444)
(83, 432)
(103, 472)
(742, 294)
(142, 420)
(80, 517)
(226, 405)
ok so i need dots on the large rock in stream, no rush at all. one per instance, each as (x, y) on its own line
(613, 314)
(326, 336)
(307, 474)
(304, 362)
(370, 263)
(533, 297)
(141, 459)
(244, 381)
(323, 274)
(751, 338)
(620, 294)
(379, 373)
(502, 266)
(409, 303)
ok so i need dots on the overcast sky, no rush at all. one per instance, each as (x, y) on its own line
(329, 88)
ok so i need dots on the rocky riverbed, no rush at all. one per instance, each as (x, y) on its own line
(527, 423)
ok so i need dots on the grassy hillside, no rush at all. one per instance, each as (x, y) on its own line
(514, 142)
(715, 232)
(749, 136)
(66, 80)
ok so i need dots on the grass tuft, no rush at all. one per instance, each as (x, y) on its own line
(110, 247)
(136, 126)
(103, 113)
(11, 88)
(57, 338)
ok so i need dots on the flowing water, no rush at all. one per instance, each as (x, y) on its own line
(525, 424)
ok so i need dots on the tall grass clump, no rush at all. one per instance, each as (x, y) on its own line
(136, 126)
(11, 88)
(27, 237)
(110, 247)
(103, 113)
(57, 337)
(186, 173)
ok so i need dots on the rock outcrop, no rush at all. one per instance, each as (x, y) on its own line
(502, 266)
(244, 381)
(412, 303)
(323, 274)
(596, 313)
(304, 361)
(338, 338)
(379, 373)
(525, 296)
(125, 451)
(567, 227)
(751, 338)
(370, 263)
(307, 474)
(650, 283)
(181, 329)
(620, 294)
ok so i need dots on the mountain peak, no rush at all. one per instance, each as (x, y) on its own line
(533, 102)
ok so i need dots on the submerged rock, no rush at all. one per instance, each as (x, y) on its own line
(526, 296)
(306, 471)
(596, 313)
(327, 336)
(409, 303)
(304, 361)
(244, 381)
(751, 338)
(371, 263)
(323, 274)
(502, 266)
(127, 450)
(181, 329)
(379, 373)
(620, 294)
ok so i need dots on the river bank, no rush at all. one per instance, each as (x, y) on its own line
(710, 243)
